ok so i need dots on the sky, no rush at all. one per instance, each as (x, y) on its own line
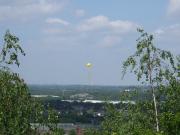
(61, 36)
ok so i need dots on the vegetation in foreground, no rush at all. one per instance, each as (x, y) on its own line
(159, 115)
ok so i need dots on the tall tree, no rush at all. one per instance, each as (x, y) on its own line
(15, 102)
(149, 63)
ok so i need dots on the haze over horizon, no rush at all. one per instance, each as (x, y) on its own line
(61, 36)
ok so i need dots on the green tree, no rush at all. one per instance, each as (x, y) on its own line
(170, 104)
(53, 119)
(93, 132)
(148, 64)
(128, 119)
(72, 132)
(15, 100)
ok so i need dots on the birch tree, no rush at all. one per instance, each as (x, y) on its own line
(149, 63)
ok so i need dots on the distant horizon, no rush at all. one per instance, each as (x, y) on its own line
(85, 85)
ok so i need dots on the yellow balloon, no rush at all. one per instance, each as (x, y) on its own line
(88, 65)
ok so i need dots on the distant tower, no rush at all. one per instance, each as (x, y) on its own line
(89, 69)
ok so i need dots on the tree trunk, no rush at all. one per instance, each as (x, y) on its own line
(153, 92)
(155, 109)
(155, 102)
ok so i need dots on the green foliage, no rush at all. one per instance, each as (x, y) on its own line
(72, 132)
(170, 106)
(11, 49)
(53, 119)
(15, 100)
(15, 105)
(58, 132)
(151, 65)
(130, 120)
(93, 132)
(148, 63)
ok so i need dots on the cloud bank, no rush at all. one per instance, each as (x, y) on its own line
(174, 8)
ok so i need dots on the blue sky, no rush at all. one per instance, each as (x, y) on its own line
(61, 36)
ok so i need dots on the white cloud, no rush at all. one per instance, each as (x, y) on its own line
(53, 31)
(57, 21)
(174, 8)
(94, 23)
(103, 23)
(97, 24)
(98, 31)
(123, 26)
(168, 38)
(26, 9)
(173, 29)
(80, 13)
(110, 41)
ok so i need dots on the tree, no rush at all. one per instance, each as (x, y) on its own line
(93, 132)
(170, 104)
(15, 105)
(72, 132)
(129, 119)
(148, 64)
